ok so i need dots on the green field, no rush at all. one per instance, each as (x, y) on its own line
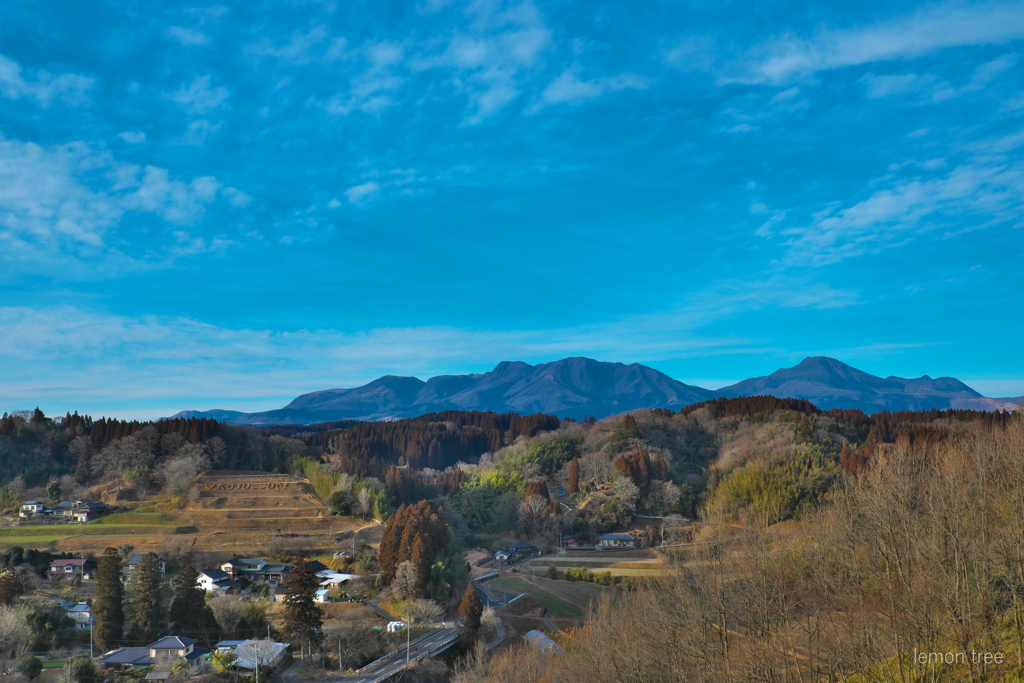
(563, 599)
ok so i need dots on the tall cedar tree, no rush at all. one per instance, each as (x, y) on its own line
(574, 476)
(147, 606)
(471, 610)
(190, 615)
(109, 607)
(303, 619)
(424, 521)
(10, 587)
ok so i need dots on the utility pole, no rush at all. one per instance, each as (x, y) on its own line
(408, 635)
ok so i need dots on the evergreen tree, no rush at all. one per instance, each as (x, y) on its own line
(302, 617)
(53, 491)
(148, 603)
(189, 612)
(574, 476)
(10, 588)
(471, 610)
(421, 563)
(109, 607)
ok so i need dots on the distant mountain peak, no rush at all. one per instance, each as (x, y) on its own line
(578, 387)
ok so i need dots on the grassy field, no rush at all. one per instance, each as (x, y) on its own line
(563, 599)
(556, 606)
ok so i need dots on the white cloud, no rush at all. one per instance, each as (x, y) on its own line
(928, 30)
(65, 199)
(132, 137)
(198, 131)
(371, 91)
(987, 193)
(188, 36)
(41, 85)
(360, 193)
(334, 204)
(569, 89)
(304, 47)
(488, 62)
(198, 97)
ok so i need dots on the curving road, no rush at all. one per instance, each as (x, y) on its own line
(394, 661)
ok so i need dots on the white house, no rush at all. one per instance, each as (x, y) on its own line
(320, 595)
(31, 508)
(214, 581)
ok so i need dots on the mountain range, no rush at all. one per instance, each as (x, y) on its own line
(580, 387)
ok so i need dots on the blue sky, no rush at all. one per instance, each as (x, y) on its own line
(228, 205)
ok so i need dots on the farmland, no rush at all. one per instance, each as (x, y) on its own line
(625, 563)
(225, 512)
(562, 599)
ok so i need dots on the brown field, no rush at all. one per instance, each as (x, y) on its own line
(225, 513)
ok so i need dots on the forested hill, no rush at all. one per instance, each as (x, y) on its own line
(36, 448)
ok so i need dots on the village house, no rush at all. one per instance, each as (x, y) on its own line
(81, 614)
(520, 550)
(163, 656)
(80, 510)
(32, 508)
(85, 568)
(611, 541)
(215, 581)
(256, 570)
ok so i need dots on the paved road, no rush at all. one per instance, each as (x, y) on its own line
(495, 597)
(432, 643)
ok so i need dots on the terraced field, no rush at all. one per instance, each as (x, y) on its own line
(226, 512)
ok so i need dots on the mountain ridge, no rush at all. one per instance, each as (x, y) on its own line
(577, 387)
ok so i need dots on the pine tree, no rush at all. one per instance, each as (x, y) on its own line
(10, 588)
(189, 612)
(109, 607)
(302, 617)
(574, 476)
(471, 610)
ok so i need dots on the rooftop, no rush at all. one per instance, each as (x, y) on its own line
(171, 643)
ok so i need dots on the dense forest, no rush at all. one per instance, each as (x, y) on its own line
(910, 570)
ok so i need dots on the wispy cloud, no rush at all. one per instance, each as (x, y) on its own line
(43, 86)
(984, 193)
(304, 47)
(64, 199)
(188, 36)
(360, 193)
(927, 30)
(488, 61)
(198, 97)
(373, 89)
(569, 88)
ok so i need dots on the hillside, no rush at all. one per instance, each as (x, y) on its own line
(228, 512)
(582, 387)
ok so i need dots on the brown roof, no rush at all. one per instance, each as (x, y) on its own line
(68, 563)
